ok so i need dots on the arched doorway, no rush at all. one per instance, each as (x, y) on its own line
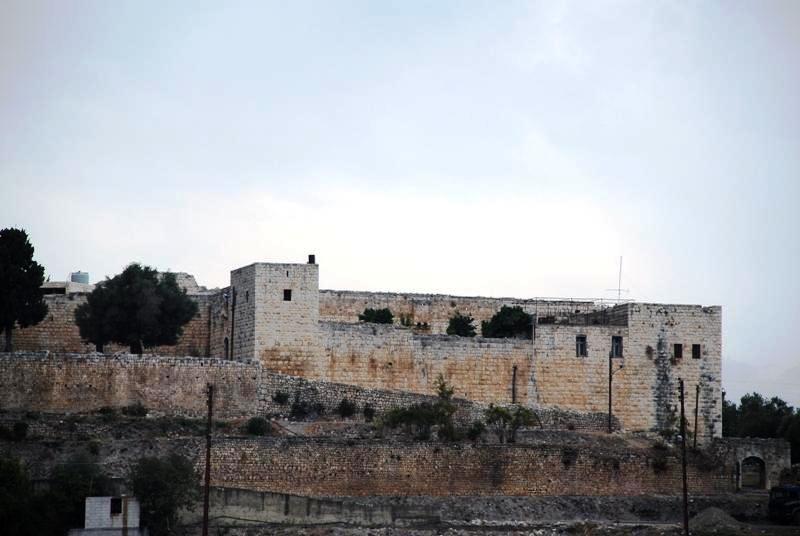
(753, 473)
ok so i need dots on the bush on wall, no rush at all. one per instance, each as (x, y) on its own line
(461, 325)
(509, 322)
(376, 316)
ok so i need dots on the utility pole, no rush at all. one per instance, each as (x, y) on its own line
(610, 376)
(696, 413)
(208, 459)
(685, 484)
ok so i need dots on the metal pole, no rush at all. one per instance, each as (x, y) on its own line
(696, 413)
(208, 459)
(685, 483)
(609, 391)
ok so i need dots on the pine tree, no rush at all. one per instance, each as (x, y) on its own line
(21, 278)
(138, 308)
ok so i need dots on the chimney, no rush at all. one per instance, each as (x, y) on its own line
(312, 259)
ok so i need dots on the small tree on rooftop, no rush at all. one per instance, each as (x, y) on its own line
(376, 316)
(509, 322)
(461, 325)
(138, 308)
(21, 278)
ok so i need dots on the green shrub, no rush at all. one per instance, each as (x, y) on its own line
(257, 426)
(506, 421)
(369, 412)
(569, 455)
(108, 414)
(461, 325)
(346, 408)
(164, 487)
(448, 432)
(659, 462)
(509, 322)
(222, 425)
(422, 417)
(20, 430)
(281, 398)
(299, 409)
(475, 430)
(376, 316)
(135, 410)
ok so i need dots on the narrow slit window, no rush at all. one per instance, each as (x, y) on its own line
(678, 350)
(287, 294)
(696, 351)
(616, 346)
(580, 346)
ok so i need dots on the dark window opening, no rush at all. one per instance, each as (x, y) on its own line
(580, 346)
(287, 294)
(225, 344)
(247, 296)
(616, 346)
(696, 351)
(116, 505)
(678, 348)
(56, 290)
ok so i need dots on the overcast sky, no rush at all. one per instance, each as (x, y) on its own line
(479, 148)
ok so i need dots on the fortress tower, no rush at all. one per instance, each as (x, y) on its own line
(275, 311)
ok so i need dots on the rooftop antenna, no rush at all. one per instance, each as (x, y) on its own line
(619, 288)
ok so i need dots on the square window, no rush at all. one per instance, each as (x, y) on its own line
(616, 346)
(678, 350)
(580, 346)
(696, 351)
(116, 505)
(287, 294)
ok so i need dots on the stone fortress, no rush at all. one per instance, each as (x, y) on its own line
(275, 314)
(274, 331)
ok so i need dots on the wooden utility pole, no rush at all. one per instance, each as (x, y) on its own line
(207, 485)
(696, 413)
(685, 483)
(610, 375)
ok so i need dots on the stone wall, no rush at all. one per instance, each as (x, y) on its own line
(645, 379)
(775, 453)
(435, 310)
(557, 467)
(86, 382)
(390, 357)
(59, 333)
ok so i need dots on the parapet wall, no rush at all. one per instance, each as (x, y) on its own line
(435, 310)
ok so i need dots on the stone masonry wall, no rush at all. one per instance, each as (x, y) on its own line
(434, 309)
(645, 380)
(86, 382)
(389, 357)
(334, 469)
(58, 332)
